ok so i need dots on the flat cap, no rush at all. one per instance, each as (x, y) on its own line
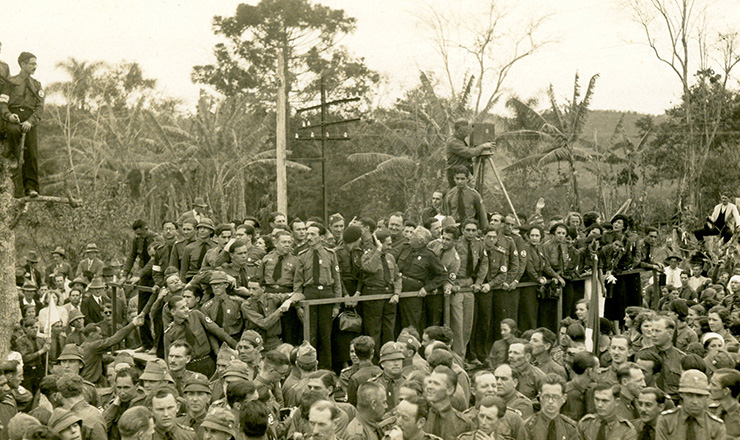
(409, 339)
(62, 419)
(197, 382)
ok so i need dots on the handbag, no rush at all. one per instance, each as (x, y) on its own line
(551, 290)
(350, 321)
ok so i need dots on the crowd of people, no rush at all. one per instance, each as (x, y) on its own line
(486, 326)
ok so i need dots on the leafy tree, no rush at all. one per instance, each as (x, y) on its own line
(560, 130)
(305, 33)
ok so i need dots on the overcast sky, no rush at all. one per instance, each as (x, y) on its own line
(168, 37)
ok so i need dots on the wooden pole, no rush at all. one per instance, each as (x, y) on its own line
(281, 137)
(324, 198)
(594, 306)
(503, 188)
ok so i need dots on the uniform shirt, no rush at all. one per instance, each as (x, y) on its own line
(254, 261)
(112, 412)
(447, 423)
(529, 379)
(178, 432)
(391, 387)
(193, 423)
(92, 420)
(640, 428)
(450, 261)
(503, 262)
(672, 426)
(550, 366)
(731, 417)
(362, 429)
(23, 92)
(519, 404)
(537, 427)
(366, 370)
(617, 429)
(472, 201)
(93, 351)
(262, 314)
(178, 253)
(626, 408)
(200, 332)
(557, 255)
(329, 276)
(480, 259)
(232, 316)
(181, 379)
(670, 374)
(579, 402)
(350, 269)
(191, 256)
(373, 271)
(215, 257)
(421, 265)
(536, 264)
(511, 425)
(267, 274)
(240, 274)
(522, 251)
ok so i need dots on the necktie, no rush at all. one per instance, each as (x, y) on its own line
(469, 268)
(691, 428)
(316, 268)
(243, 277)
(386, 270)
(220, 312)
(552, 431)
(203, 250)
(278, 272)
(601, 435)
(646, 433)
(460, 206)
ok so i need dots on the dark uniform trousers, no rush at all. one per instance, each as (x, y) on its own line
(480, 339)
(321, 323)
(292, 330)
(411, 310)
(379, 317)
(28, 177)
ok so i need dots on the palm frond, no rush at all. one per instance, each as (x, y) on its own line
(370, 158)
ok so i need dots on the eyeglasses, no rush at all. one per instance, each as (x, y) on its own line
(107, 312)
(549, 397)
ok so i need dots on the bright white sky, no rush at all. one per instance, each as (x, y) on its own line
(168, 37)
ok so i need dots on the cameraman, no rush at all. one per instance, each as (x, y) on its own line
(458, 150)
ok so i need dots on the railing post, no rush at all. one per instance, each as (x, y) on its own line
(447, 310)
(306, 322)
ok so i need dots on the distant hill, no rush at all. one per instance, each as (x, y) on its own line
(603, 122)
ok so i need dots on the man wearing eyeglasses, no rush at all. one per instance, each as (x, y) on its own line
(548, 423)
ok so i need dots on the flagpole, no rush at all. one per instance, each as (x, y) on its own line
(594, 306)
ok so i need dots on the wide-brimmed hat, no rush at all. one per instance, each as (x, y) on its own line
(29, 285)
(59, 251)
(32, 257)
(205, 222)
(673, 257)
(62, 419)
(200, 202)
(71, 352)
(96, 283)
(75, 315)
(79, 280)
(156, 370)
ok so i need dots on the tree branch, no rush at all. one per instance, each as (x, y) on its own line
(20, 206)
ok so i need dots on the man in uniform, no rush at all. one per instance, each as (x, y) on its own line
(579, 391)
(605, 424)
(187, 236)
(362, 368)
(70, 388)
(488, 420)
(631, 382)
(411, 417)
(724, 389)
(278, 270)
(444, 248)
(506, 384)
(381, 277)
(650, 403)
(444, 420)
(663, 330)
(164, 410)
(299, 230)
(199, 331)
(237, 268)
(177, 359)
(22, 105)
(197, 395)
(470, 276)
(222, 309)
(263, 312)
(391, 361)
(529, 375)
(619, 352)
(128, 395)
(510, 228)
(371, 406)
(395, 227)
(459, 153)
(218, 255)
(542, 342)
(510, 423)
(249, 348)
(317, 276)
(503, 263)
(220, 422)
(463, 202)
(422, 271)
(691, 420)
(195, 252)
(548, 423)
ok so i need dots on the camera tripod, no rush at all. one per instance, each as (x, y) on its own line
(479, 177)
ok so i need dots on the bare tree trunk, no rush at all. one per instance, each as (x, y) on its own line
(574, 183)
(9, 310)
